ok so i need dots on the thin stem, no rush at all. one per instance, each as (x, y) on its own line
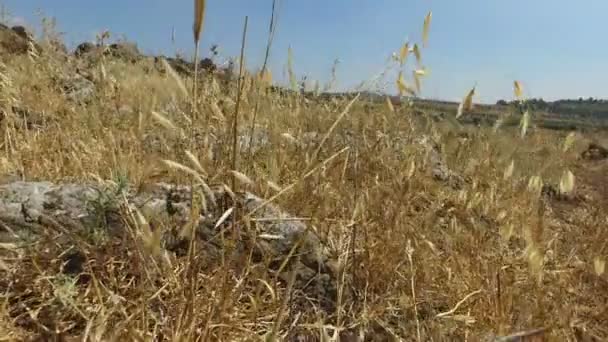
(272, 30)
(195, 84)
(192, 277)
(237, 107)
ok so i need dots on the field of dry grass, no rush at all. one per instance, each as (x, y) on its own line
(436, 231)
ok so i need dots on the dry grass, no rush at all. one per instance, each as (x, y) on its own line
(421, 260)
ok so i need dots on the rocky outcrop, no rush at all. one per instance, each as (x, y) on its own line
(84, 48)
(272, 234)
(120, 50)
(186, 68)
(437, 165)
(78, 89)
(15, 40)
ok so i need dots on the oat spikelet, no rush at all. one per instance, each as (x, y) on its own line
(416, 80)
(425, 29)
(195, 162)
(569, 141)
(389, 104)
(177, 166)
(566, 184)
(178, 80)
(416, 50)
(290, 138)
(199, 17)
(517, 90)
(405, 49)
(402, 86)
(524, 123)
(599, 264)
(274, 186)
(467, 103)
(241, 177)
(411, 169)
(151, 239)
(509, 170)
(535, 185)
(535, 260)
(163, 121)
(217, 112)
(420, 72)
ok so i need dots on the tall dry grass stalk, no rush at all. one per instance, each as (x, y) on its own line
(187, 319)
(235, 124)
(264, 74)
(197, 27)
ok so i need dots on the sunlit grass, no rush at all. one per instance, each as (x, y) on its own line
(418, 258)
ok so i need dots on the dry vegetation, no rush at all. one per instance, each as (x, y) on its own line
(517, 243)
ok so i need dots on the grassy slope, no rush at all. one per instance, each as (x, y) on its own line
(410, 229)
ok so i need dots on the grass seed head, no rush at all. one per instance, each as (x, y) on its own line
(566, 184)
(403, 53)
(466, 104)
(403, 87)
(199, 17)
(389, 104)
(518, 90)
(509, 170)
(599, 265)
(524, 123)
(569, 141)
(425, 29)
(417, 54)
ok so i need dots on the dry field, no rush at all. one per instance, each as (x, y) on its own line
(428, 230)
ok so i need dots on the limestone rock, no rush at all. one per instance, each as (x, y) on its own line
(125, 51)
(78, 89)
(276, 232)
(84, 49)
(437, 165)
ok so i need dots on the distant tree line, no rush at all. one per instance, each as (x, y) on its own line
(581, 107)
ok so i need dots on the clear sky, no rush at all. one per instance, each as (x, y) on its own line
(556, 48)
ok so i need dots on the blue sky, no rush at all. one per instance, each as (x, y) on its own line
(556, 48)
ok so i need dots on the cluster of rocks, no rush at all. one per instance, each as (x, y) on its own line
(15, 40)
(437, 165)
(24, 207)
